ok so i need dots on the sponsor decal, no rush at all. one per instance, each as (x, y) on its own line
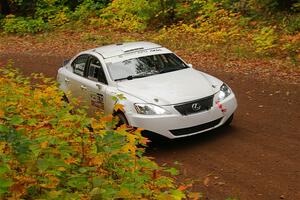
(97, 100)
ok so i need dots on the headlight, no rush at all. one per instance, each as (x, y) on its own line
(224, 92)
(149, 109)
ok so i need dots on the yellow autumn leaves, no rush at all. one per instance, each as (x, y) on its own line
(48, 150)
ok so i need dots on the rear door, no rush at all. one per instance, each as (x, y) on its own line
(75, 79)
(96, 85)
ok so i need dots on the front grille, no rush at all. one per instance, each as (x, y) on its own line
(195, 129)
(202, 105)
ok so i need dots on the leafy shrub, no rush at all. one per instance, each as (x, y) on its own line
(265, 40)
(49, 8)
(129, 14)
(187, 11)
(48, 153)
(291, 24)
(291, 47)
(213, 17)
(89, 8)
(58, 19)
(12, 24)
(296, 7)
(52, 11)
(213, 26)
(178, 36)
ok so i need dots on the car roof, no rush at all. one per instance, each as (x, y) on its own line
(123, 48)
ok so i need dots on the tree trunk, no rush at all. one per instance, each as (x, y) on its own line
(4, 7)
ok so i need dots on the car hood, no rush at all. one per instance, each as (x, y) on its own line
(169, 88)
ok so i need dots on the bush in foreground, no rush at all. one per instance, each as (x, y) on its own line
(48, 153)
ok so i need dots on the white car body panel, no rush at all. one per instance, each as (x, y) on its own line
(166, 90)
(181, 86)
(164, 123)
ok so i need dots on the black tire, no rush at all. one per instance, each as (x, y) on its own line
(65, 98)
(122, 119)
(229, 120)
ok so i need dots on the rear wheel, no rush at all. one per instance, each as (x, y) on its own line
(65, 98)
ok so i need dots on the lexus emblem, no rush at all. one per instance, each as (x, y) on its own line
(196, 106)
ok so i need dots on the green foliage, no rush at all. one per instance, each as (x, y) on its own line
(265, 40)
(275, 5)
(52, 11)
(296, 7)
(48, 153)
(129, 14)
(12, 24)
(260, 7)
(187, 11)
(291, 45)
(291, 24)
(214, 26)
(89, 8)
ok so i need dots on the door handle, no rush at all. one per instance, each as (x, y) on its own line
(83, 87)
(67, 80)
(98, 86)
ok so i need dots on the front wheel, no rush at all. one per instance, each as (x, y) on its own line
(229, 120)
(122, 119)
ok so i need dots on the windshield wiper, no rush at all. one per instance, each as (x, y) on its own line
(133, 77)
(170, 70)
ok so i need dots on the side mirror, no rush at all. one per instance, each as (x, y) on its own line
(190, 65)
(66, 62)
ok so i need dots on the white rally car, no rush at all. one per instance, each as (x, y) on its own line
(162, 93)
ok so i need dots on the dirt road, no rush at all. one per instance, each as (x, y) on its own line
(258, 157)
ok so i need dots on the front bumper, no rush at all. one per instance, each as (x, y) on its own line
(176, 125)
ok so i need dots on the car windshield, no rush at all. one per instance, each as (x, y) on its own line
(145, 66)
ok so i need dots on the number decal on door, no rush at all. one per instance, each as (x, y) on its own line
(97, 101)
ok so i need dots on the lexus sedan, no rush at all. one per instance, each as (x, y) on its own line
(163, 94)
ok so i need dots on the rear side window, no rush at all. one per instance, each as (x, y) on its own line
(95, 71)
(79, 65)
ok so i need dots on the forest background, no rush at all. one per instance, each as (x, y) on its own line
(230, 28)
